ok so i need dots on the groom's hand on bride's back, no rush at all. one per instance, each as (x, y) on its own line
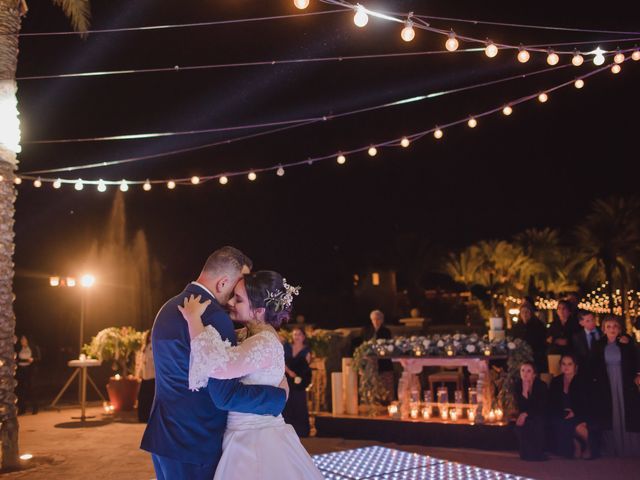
(285, 386)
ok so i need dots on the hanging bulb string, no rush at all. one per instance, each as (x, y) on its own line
(300, 121)
(310, 161)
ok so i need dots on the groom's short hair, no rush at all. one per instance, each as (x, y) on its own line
(226, 259)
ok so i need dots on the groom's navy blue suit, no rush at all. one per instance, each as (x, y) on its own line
(185, 429)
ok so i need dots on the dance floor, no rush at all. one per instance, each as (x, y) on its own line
(381, 463)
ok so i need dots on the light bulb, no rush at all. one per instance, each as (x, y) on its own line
(635, 56)
(195, 180)
(124, 186)
(101, 186)
(543, 97)
(452, 43)
(17, 180)
(473, 123)
(37, 183)
(408, 33)
(619, 57)
(616, 69)
(301, 4)
(579, 83)
(598, 57)
(360, 18)
(507, 110)
(373, 151)
(341, 159)
(147, 186)
(223, 180)
(577, 59)
(171, 184)
(280, 172)
(252, 176)
(57, 184)
(438, 133)
(523, 55)
(79, 185)
(405, 142)
(552, 58)
(491, 50)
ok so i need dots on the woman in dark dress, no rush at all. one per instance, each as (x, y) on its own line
(297, 356)
(617, 373)
(568, 411)
(27, 356)
(530, 329)
(530, 394)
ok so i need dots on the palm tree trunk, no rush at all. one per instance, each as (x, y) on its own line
(9, 140)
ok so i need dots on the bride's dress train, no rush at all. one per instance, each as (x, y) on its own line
(255, 447)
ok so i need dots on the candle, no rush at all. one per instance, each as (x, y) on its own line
(487, 352)
(499, 414)
(426, 413)
(393, 409)
(414, 412)
(453, 414)
(492, 416)
(471, 415)
(118, 376)
(443, 412)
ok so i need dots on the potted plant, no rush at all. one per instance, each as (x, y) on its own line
(119, 345)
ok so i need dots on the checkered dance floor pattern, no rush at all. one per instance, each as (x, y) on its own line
(381, 463)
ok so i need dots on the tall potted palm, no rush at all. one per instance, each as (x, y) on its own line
(11, 12)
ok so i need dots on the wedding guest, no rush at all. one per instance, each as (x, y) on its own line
(147, 373)
(617, 372)
(584, 341)
(376, 331)
(530, 329)
(568, 399)
(297, 356)
(530, 394)
(27, 357)
(561, 330)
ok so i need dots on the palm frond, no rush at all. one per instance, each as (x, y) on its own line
(78, 11)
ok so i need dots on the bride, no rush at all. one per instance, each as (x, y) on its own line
(260, 447)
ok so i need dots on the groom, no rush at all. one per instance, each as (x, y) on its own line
(185, 429)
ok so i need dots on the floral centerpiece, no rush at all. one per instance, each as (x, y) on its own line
(118, 345)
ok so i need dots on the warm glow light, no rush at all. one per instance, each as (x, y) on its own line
(171, 184)
(54, 281)
(117, 377)
(301, 4)
(635, 56)
(507, 110)
(26, 456)
(223, 180)
(438, 133)
(280, 172)
(619, 57)
(523, 55)
(491, 50)
(598, 57)
(341, 159)
(79, 185)
(360, 18)
(17, 180)
(543, 97)
(616, 69)
(405, 142)
(375, 279)
(195, 180)
(9, 121)
(124, 186)
(452, 43)
(408, 33)
(101, 186)
(71, 282)
(57, 184)
(252, 176)
(87, 280)
(473, 123)
(579, 83)
(552, 58)
(37, 183)
(577, 59)
(373, 151)
(147, 186)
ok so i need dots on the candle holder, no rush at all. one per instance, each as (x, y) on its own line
(428, 397)
(492, 416)
(453, 414)
(473, 396)
(457, 396)
(471, 415)
(499, 414)
(394, 410)
(443, 395)
(414, 409)
(444, 413)
(427, 411)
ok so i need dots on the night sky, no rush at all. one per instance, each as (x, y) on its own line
(318, 224)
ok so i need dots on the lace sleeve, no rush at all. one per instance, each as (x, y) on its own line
(260, 351)
(208, 353)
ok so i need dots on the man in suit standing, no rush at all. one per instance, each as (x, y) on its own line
(185, 429)
(583, 342)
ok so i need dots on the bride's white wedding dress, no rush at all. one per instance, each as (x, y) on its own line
(255, 447)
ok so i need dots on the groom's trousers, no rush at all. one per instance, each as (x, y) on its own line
(170, 469)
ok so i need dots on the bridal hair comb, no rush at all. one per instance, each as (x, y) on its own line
(282, 300)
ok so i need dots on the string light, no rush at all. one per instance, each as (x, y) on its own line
(79, 185)
(373, 151)
(223, 180)
(491, 50)
(452, 43)
(438, 133)
(598, 56)
(577, 59)
(341, 159)
(507, 110)
(17, 180)
(543, 97)
(579, 83)
(147, 186)
(523, 55)
(280, 172)
(619, 57)
(615, 69)
(124, 186)
(360, 18)
(408, 33)
(473, 123)
(252, 176)
(37, 183)
(301, 4)
(405, 142)
(171, 184)
(195, 180)
(552, 58)
(635, 56)
(101, 186)
(57, 184)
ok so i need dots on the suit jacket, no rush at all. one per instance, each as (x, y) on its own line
(583, 354)
(188, 426)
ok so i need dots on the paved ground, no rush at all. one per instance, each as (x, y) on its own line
(108, 449)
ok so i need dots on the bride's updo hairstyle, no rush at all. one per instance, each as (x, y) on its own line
(268, 290)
